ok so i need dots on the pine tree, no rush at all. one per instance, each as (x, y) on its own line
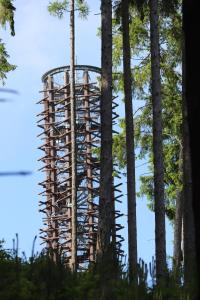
(130, 149)
(191, 110)
(188, 214)
(106, 258)
(157, 142)
(106, 163)
(6, 16)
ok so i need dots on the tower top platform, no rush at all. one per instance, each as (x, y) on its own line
(67, 68)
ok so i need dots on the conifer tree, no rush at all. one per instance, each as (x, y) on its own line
(130, 149)
(6, 16)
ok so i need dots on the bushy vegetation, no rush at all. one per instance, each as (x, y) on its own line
(38, 277)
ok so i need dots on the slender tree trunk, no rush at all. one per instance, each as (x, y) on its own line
(188, 216)
(178, 224)
(192, 64)
(178, 251)
(73, 140)
(130, 149)
(105, 254)
(106, 167)
(160, 236)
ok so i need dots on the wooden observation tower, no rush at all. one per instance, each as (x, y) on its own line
(55, 122)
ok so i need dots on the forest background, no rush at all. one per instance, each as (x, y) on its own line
(37, 47)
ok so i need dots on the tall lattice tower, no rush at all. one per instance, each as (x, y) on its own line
(71, 230)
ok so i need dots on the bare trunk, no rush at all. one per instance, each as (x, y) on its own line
(105, 253)
(178, 223)
(106, 167)
(178, 253)
(192, 95)
(160, 236)
(73, 141)
(130, 149)
(188, 216)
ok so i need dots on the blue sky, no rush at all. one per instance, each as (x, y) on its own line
(42, 43)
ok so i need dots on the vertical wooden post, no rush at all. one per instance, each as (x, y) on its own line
(47, 164)
(68, 158)
(73, 140)
(89, 166)
(52, 169)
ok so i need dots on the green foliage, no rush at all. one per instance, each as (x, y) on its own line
(39, 278)
(171, 44)
(83, 8)
(58, 8)
(5, 66)
(7, 14)
(168, 7)
(119, 146)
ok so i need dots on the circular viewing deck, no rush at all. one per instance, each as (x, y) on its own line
(62, 69)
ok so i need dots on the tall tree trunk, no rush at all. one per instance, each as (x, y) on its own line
(130, 149)
(105, 253)
(188, 216)
(178, 224)
(160, 236)
(106, 166)
(192, 66)
(192, 104)
(73, 140)
(178, 251)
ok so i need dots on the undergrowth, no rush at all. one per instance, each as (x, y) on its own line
(37, 277)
